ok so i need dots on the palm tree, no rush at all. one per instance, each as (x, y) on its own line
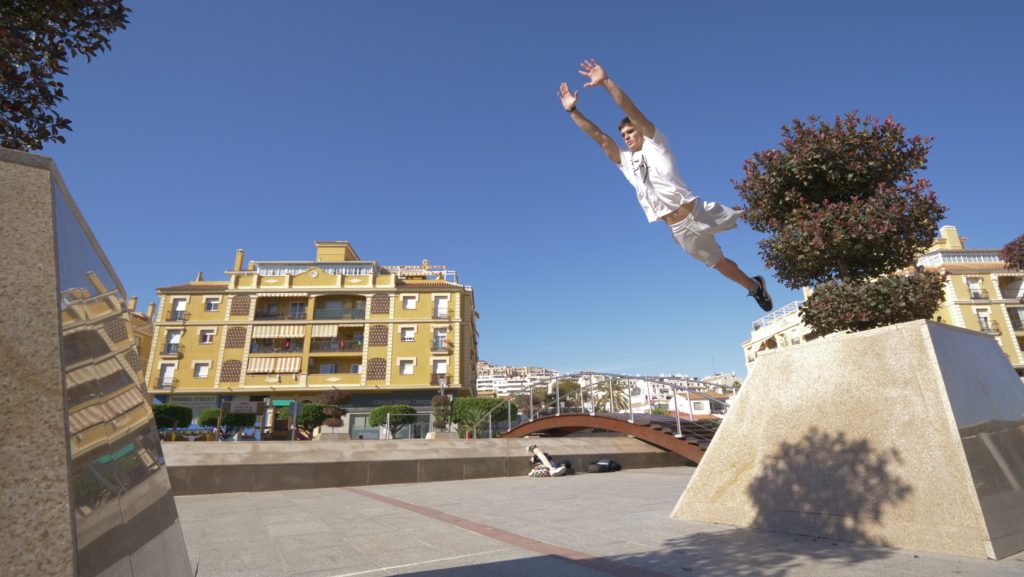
(610, 396)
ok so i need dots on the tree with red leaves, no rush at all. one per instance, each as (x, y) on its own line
(844, 209)
(1013, 253)
(37, 39)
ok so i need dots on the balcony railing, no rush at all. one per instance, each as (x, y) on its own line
(437, 379)
(171, 349)
(177, 316)
(989, 327)
(268, 315)
(979, 294)
(166, 383)
(335, 314)
(258, 347)
(336, 346)
(439, 347)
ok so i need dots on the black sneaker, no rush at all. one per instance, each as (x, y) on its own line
(760, 294)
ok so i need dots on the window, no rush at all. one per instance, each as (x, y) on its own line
(297, 311)
(440, 366)
(328, 369)
(441, 307)
(173, 342)
(408, 334)
(166, 375)
(409, 302)
(211, 304)
(206, 336)
(178, 310)
(201, 370)
(440, 340)
(356, 368)
(700, 406)
(405, 367)
(976, 289)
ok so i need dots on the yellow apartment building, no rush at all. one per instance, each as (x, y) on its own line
(289, 330)
(981, 294)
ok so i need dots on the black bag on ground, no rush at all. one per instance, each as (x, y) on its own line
(609, 465)
(568, 466)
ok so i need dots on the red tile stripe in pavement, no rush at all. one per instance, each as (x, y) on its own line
(596, 563)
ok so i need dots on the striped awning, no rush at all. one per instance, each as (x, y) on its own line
(126, 401)
(278, 331)
(89, 373)
(112, 408)
(283, 294)
(270, 365)
(325, 331)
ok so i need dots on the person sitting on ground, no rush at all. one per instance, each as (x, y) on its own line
(648, 164)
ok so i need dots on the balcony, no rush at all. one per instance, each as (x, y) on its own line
(275, 346)
(440, 380)
(989, 327)
(339, 314)
(172, 350)
(440, 347)
(337, 346)
(177, 316)
(979, 294)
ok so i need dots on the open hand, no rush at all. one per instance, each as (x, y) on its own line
(592, 70)
(567, 97)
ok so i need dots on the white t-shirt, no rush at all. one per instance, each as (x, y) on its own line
(652, 171)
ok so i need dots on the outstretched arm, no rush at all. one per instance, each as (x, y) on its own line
(592, 70)
(568, 98)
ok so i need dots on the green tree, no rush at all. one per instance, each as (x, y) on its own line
(844, 207)
(1013, 253)
(401, 415)
(37, 40)
(311, 417)
(172, 416)
(231, 422)
(470, 413)
(442, 411)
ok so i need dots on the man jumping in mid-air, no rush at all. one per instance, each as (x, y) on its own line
(649, 166)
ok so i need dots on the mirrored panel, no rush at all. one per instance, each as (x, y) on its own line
(126, 523)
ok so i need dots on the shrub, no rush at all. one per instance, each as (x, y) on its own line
(311, 417)
(231, 421)
(168, 416)
(843, 206)
(401, 415)
(465, 407)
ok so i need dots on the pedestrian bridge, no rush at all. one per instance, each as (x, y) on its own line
(682, 437)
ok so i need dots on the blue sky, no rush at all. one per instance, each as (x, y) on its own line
(431, 130)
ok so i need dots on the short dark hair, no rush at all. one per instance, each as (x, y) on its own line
(624, 122)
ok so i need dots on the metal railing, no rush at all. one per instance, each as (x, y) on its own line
(989, 327)
(265, 347)
(172, 349)
(979, 294)
(336, 346)
(334, 314)
(177, 316)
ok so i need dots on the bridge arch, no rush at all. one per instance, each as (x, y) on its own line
(653, 430)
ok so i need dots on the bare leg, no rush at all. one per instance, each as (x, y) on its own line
(731, 271)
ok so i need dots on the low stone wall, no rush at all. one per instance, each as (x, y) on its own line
(231, 467)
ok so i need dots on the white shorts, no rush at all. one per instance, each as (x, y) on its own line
(696, 232)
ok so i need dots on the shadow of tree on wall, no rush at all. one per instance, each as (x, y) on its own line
(827, 485)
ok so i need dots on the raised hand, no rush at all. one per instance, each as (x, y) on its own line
(567, 97)
(592, 70)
